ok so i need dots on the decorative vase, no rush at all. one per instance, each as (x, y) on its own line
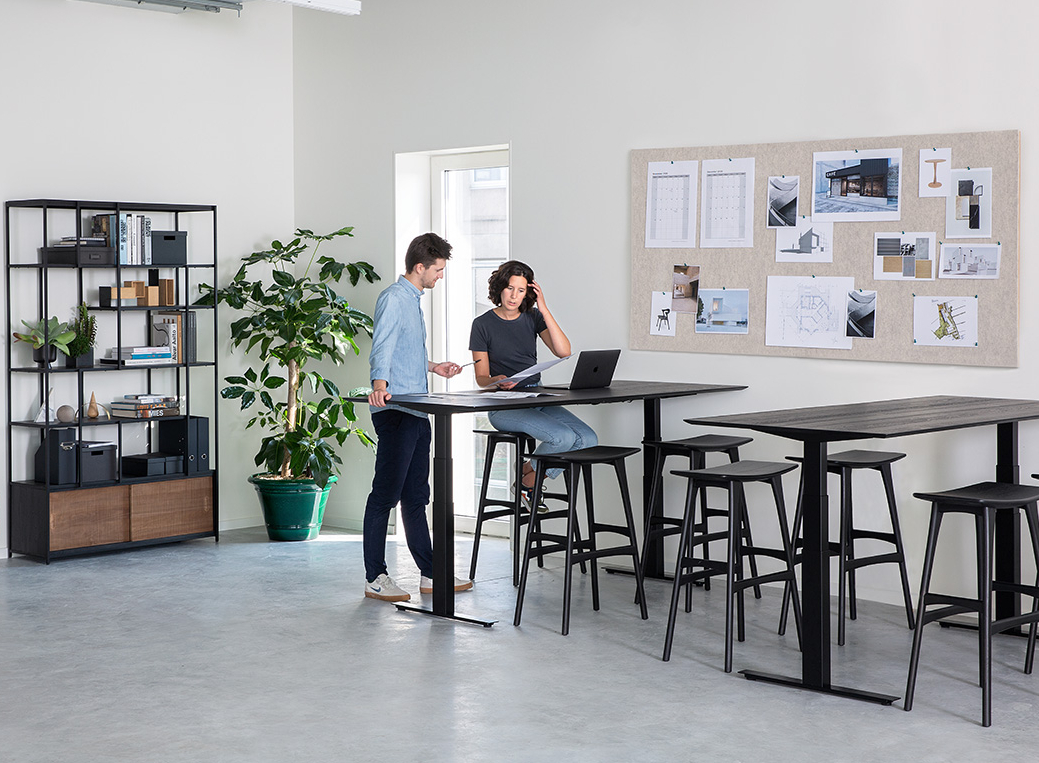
(292, 509)
(92, 408)
(45, 355)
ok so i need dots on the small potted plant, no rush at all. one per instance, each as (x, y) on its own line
(80, 352)
(46, 336)
(292, 319)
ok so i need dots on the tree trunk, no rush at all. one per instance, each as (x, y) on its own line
(291, 412)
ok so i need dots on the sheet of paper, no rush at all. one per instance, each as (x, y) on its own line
(969, 204)
(671, 205)
(970, 261)
(806, 241)
(935, 171)
(727, 203)
(783, 192)
(904, 256)
(857, 186)
(528, 372)
(723, 311)
(661, 320)
(802, 311)
(945, 321)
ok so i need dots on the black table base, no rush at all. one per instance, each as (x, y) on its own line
(456, 617)
(839, 691)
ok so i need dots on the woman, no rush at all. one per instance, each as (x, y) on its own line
(504, 342)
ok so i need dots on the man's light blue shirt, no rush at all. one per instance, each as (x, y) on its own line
(399, 343)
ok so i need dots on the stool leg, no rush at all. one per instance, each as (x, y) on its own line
(517, 511)
(492, 445)
(788, 549)
(925, 584)
(697, 460)
(533, 529)
(749, 540)
(845, 550)
(889, 489)
(629, 517)
(983, 522)
(590, 511)
(1032, 515)
(683, 544)
(730, 573)
(571, 522)
(795, 536)
(738, 518)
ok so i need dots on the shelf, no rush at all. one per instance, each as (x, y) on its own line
(143, 308)
(75, 266)
(111, 483)
(149, 367)
(98, 422)
(108, 206)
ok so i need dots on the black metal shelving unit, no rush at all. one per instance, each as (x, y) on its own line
(35, 508)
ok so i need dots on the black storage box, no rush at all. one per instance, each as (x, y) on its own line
(96, 462)
(152, 465)
(169, 247)
(84, 255)
(190, 437)
(59, 447)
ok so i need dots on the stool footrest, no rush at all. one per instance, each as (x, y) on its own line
(1024, 588)
(924, 617)
(598, 527)
(772, 577)
(866, 561)
(1006, 623)
(887, 537)
(772, 553)
(587, 556)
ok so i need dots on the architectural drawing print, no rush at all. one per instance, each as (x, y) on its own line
(782, 200)
(807, 312)
(850, 186)
(970, 261)
(945, 321)
(806, 241)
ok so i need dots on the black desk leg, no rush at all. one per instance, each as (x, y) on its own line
(1008, 525)
(815, 589)
(443, 529)
(651, 429)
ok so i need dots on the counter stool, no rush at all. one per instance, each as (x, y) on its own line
(843, 464)
(982, 500)
(522, 445)
(690, 568)
(695, 449)
(578, 463)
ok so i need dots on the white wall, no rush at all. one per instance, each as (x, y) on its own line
(574, 86)
(209, 121)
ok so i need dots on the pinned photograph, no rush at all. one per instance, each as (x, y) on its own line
(945, 321)
(862, 313)
(661, 317)
(970, 261)
(782, 200)
(806, 241)
(904, 256)
(968, 210)
(685, 286)
(935, 171)
(857, 186)
(723, 311)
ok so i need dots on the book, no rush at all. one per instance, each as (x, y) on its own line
(129, 405)
(149, 397)
(148, 413)
(127, 362)
(167, 332)
(190, 337)
(146, 239)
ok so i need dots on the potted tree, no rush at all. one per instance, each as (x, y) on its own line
(80, 352)
(292, 320)
(46, 336)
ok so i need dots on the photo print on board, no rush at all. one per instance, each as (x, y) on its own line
(862, 314)
(970, 261)
(904, 256)
(969, 205)
(723, 311)
(857, 186)
(935, 171)
(807, 241)
(685, 287)
(661, 318)
(782, 200)
(945, 321)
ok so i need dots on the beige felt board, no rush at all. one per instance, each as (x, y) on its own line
(856, 252)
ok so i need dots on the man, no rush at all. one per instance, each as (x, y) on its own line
(399, 365)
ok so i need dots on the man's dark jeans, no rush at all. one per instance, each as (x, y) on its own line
(401, 474)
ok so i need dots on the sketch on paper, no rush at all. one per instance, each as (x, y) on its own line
(727, 203)
(969, 261)
(661, 316)
(782, 200)
(862, 314)
(685, 286)
(807, 241)
(671, 205)
(856, 186)
(904, 256)
(723, 311)
(945, 321)
(935, 171)
(968, 209)
(807, 312)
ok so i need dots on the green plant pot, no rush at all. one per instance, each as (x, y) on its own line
(292, 509)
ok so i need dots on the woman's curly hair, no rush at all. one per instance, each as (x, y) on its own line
(500, 279)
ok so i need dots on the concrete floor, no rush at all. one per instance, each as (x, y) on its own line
(253, 651)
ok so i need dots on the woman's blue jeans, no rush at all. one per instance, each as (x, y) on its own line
(555, 428)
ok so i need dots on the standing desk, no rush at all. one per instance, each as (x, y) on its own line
(817, 426)
(445, 404)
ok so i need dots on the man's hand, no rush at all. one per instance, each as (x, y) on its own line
(447, 369)
(377, 398)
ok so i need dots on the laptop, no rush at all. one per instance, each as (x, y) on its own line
(594, 370)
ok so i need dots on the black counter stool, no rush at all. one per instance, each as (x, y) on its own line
(695, 449)
(982, 500)
(522, 446)
(689, 568)
(539, 543)
(843, 464)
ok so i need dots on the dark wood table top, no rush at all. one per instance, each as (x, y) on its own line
(470, 401)
(880, 418)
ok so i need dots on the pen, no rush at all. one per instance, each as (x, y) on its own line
(471, 362)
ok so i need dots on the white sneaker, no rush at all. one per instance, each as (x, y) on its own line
(385, 589)
(425, 585)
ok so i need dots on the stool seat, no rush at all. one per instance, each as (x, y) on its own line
(740, 471)
(997, 495)
(598, 454)
(705, 443)
(858, 459)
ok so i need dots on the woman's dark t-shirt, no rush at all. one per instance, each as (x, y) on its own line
(511, 346)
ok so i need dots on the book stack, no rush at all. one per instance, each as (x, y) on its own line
(83, 241)
(145, 406)
(130, 235)
(137, 356)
